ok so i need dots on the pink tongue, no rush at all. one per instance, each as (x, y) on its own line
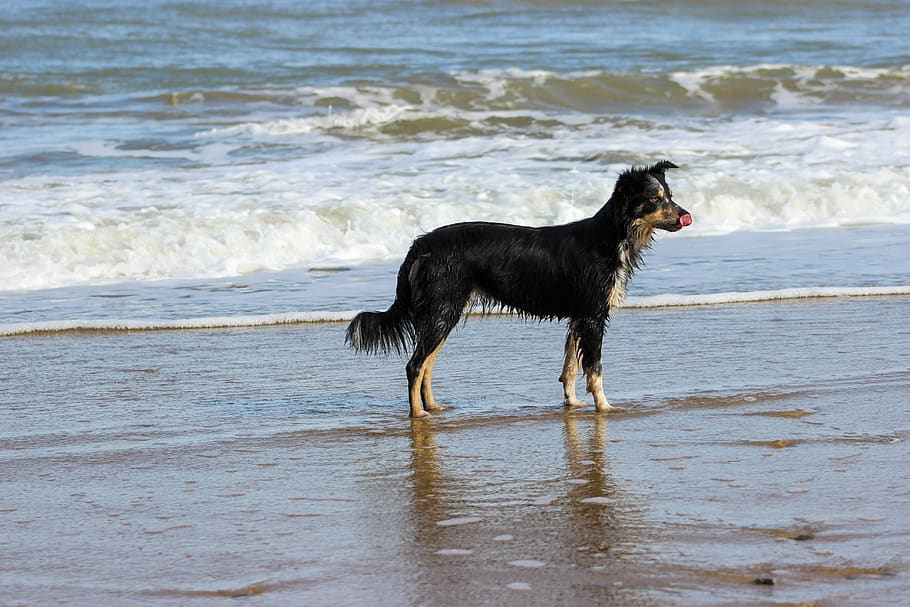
(685, 220)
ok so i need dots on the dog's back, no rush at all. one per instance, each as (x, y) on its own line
(530, 271)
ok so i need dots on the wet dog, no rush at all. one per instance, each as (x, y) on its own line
(576, 271)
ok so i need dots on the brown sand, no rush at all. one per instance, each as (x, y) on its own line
(760, 460)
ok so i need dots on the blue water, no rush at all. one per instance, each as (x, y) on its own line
(181, 160)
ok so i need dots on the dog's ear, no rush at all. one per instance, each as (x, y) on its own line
(661, 167)
(638, 180)
(654, 187)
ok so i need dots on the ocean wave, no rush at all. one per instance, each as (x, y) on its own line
(795, 85)
(480, 102)
(16, 85)
(314, 317)
(718, 88)
(351, 120)
(145, 227)
(223, 97)
(473, 95)
(359, 179)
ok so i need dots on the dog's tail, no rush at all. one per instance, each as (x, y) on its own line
(392, 330)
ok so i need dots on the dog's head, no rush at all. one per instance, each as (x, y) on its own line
(647, 201)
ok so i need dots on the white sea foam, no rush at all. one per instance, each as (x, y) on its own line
(186, 323)
(518, 586)
(454, 522)
(226, 322)
(707, 299)
(597, 500)
(528, 563)
(545, 500)
(146, 227)
(347, 120)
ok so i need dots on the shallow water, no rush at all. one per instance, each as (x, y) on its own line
(184, 467)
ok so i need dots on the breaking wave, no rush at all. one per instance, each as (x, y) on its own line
(351, 173)
(143, 227)
(478, 103)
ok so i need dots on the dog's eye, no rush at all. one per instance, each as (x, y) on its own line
(656, 198)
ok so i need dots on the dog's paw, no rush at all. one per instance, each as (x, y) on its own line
(436, 407)
(608, 409)
(574, 403)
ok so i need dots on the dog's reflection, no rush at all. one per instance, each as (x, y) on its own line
(429, 485)
(482, 518)
(436, 491)
(594, 500)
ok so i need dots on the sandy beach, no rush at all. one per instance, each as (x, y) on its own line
(760, 459)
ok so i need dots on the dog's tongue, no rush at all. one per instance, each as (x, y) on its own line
(685, 220)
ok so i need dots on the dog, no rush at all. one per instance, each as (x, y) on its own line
(576, 271)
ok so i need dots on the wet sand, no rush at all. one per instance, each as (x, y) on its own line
(761, 459)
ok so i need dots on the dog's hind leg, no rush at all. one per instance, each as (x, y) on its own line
(420, 371)
(590, 341)
(570, 370)
(416, 370)
(440, 293)
(430, 337)
(426, 386)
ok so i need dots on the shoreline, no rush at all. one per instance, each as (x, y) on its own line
(43, 328)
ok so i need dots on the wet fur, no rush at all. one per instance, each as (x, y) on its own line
(576, 271)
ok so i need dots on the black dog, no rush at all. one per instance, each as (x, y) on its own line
(576, 271)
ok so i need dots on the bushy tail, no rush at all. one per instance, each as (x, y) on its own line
(392, 330)
(381, 332)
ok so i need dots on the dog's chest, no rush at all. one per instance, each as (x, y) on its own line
(621, 274)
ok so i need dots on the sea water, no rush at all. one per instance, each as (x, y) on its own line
(179, 164)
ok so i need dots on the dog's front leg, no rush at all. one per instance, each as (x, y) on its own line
(590, 340)
(596, 388)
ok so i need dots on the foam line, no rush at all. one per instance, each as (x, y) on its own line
(219, 322)
(291, 318)
(709, 299)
